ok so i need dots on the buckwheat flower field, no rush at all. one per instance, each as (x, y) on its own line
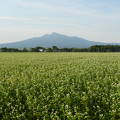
(59, 86)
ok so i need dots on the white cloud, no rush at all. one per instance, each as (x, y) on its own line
(73, 8)
(33, 4)
(13, 18)
(94, 20)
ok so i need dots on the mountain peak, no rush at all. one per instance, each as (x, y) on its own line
(56, 34)
(53, 34)
(53, 39)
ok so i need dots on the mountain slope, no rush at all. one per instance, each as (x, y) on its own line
(53, 39)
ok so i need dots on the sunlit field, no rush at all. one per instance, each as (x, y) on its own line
(59, 86)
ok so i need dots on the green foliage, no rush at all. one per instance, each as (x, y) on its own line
(95, 48)
(59, 86)
(104, 48)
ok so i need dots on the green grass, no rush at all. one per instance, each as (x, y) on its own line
(59, 86)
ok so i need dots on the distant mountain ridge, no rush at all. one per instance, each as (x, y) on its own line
(54, 39)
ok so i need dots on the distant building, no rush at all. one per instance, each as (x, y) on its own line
(41, 50)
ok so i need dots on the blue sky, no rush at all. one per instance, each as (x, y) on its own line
(96, 20)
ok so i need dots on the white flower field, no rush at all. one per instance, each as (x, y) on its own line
(59, 86)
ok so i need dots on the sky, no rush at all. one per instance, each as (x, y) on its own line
(96, 20)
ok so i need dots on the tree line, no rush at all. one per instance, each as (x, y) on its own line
(95, 48)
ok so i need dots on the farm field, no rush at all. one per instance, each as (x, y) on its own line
(59, 86)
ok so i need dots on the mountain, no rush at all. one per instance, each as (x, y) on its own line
(54, 39)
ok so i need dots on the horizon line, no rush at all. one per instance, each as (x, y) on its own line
(57, 34)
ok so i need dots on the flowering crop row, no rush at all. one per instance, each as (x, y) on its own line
(59, 86)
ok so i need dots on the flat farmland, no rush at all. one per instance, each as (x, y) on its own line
(59, 86)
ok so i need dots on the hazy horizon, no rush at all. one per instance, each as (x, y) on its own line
(51, 34)
(90, 19)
